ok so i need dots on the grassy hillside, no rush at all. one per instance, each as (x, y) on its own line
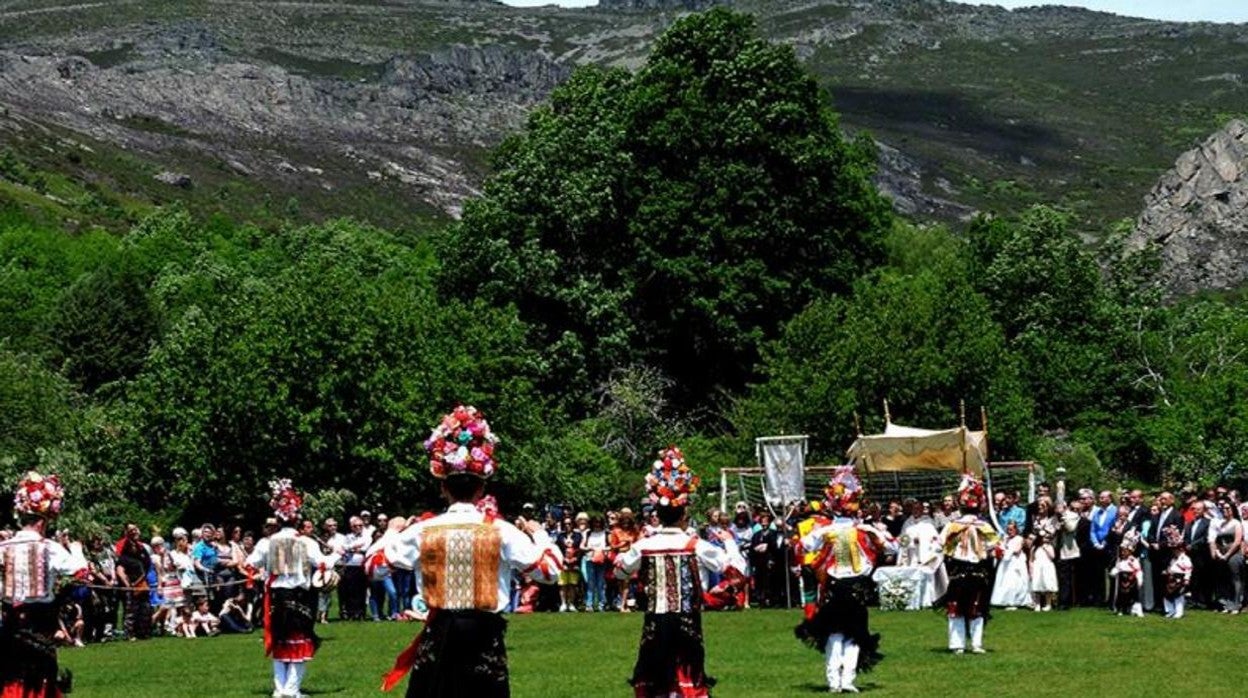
(1000, 109)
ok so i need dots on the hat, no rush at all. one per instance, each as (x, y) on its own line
(367, 513)
(970, 492)
(157, 541)
(285, 502)
(488, 505)
(38, 495)
(670, 482)
(844, 491)
(179, 532)
(461, 444)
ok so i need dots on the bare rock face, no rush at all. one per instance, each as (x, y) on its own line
(1196, 217)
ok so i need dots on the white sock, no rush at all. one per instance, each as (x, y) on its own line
(1179, 604)
(957, 633)
(849, 663)
(834, 651)
(279, 676)
(294, 677)
(977, 633)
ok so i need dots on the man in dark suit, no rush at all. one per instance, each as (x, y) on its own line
(1139, 512)
(1090, 572)
(1158, 549)
(1196, 535)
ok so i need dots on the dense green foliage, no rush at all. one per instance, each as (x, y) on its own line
(923, 339)
(675, 216)
(689, 253)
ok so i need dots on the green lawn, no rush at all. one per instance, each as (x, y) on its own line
(753, 654)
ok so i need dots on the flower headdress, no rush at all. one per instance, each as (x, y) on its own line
(1174, 536)
(39, 495)
(285, 501)
(670, 481)
(843, 493)
(970, 492)
(1130, 540)
(461, 444)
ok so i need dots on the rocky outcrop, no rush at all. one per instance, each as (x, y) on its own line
(901, 179)
(1196, 217)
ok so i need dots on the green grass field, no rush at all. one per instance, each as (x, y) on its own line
(752, 654)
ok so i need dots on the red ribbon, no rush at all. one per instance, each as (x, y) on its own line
(406, 659)
(268, 615)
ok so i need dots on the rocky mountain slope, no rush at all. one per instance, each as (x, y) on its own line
(385, 109)
(1196, 217)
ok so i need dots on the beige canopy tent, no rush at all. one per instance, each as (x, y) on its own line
(907, 449)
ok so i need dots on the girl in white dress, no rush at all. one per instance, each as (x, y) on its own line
(1013, 585)
(1043, 572)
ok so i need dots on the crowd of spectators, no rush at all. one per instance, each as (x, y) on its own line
(1053, 554)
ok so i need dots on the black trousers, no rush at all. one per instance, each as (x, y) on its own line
(352, 592)
(1202, 576)
(1067, 586)
(1160, 560)
(1091, 578)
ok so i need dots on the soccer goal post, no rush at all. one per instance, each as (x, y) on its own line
(749, 485)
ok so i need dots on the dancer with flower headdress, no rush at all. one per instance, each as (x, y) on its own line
(30, 567)
(463, 561)
(968, 541)
(1128, 576)
(289, 561)
(845, 552)
(671, 658)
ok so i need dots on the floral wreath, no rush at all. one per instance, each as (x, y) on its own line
(285, 501)
(39, 495)
(670, 482)
(462, 444)
(843, 493)
(970, 492)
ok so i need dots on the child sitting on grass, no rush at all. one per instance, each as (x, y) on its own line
(203, 623)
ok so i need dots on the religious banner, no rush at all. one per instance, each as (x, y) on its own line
(783, 459)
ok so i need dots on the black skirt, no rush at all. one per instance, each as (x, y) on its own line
(28, 653)
(843, 611)
(671, 654)
(970, 590)
(292, 615)
(1128, 592)
(461, 653)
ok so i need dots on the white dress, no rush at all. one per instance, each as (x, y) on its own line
(1013, 586)
(1043, 571)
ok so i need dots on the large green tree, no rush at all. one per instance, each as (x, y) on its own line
(920, 337)
(1193, 359)
(329, 367)
(674, 217)
(1047, 291)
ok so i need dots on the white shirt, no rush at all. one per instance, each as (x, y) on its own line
(924, 543)
(353, 547)
(537, 557)
(61, 563)
(710, 558)
(184, 567)
(298, 579)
